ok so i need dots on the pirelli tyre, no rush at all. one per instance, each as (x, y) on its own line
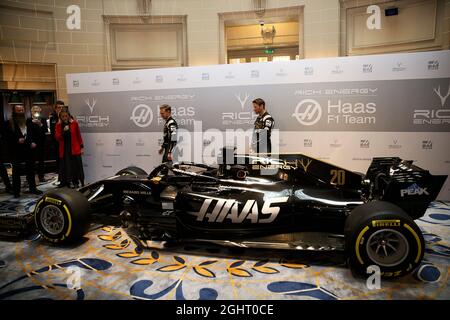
(382, 234)
(61, 216)
(131, 171)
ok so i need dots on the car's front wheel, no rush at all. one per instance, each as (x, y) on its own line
(380, 233)
(61, 216)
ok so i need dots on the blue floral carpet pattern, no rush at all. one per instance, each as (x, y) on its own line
(108, 265)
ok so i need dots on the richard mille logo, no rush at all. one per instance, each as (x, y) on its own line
(427, 145)
(433, 65)
(364, 143)
(367, 68)
(307, 143)
(309, 71)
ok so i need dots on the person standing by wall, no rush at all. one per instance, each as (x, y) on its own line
(21, 145)
(39, 124)
(264, 124)
(3, 173)
(68, 135)
(170, 133)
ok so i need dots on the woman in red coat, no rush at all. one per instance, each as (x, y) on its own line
(68, 135)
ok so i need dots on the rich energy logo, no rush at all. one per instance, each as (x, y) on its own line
(92, 121)
(337, 70)
(399, 67)
(242, 117)
(142, 115)
(414, 190)
(434, 116)
(90, 104)
(222, 209)
(395, 144)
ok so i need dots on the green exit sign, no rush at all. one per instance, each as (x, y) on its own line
(269, 51)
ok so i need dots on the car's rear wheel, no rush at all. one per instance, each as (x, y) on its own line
(131, 171)
(380, 233)
(61, 216)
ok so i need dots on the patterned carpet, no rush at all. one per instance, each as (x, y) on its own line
(107, 265)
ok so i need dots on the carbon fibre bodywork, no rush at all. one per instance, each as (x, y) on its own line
(256, 201)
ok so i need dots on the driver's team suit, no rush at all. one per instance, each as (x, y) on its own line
(261, 134)
(170, 137)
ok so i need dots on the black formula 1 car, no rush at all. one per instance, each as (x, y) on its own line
(287, 201)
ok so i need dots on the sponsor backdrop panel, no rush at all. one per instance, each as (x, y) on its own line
(345, 110)
(107, 153)
(355, 151)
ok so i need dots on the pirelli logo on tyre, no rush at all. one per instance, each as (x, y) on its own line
(385, 223)
(52, 200)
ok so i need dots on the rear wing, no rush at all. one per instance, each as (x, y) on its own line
(403, 183)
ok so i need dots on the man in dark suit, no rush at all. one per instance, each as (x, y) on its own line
(170, 133)
(21, 145)
(39, 124)
(3, 173)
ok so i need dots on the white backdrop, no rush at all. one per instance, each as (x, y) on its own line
(344, 110)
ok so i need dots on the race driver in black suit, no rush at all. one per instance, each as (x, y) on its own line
(264, 124)
(170, 133)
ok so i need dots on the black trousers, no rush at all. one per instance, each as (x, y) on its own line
(39, 157)
(4, 176)
(18, 171)
(165, 155)
(54, 154)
